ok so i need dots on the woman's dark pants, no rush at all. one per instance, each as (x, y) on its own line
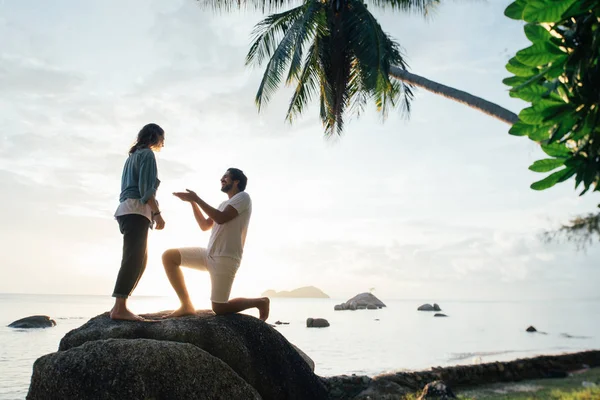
(134, 228)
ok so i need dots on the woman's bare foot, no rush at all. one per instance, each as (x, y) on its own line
(264, 308)
(125, 315)
(182, 311)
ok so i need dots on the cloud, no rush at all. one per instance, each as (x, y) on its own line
(31, 77)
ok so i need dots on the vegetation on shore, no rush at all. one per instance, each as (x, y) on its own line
(570, 388)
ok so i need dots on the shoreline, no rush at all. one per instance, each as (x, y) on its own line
(467, 376)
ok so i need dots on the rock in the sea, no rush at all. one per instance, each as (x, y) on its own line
(382, 389)
(531, 329)
(281, 323)
(429, 307)
(437, 390)
(259, 354)
(310, 292)
(361, 301)
(439, 315)
(317, 323)
(35, 321)
(135, 369)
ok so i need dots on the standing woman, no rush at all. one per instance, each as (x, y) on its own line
(137, 211)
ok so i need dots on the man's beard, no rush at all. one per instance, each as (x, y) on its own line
(226, 188)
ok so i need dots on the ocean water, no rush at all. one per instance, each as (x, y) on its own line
(364, 342)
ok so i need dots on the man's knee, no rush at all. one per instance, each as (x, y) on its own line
(171, 258)
(220, 308)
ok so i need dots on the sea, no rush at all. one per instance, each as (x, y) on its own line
(362, 342)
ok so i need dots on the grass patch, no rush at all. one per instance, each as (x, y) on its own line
(570, 388)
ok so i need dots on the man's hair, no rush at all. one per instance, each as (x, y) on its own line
(238, 175)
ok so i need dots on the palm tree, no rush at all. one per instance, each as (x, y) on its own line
(487, 107)
(349, 60)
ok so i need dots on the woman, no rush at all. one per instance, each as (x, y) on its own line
(137, 211)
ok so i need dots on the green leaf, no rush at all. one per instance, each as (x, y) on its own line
(557, 69)
(556, 150)
(514, 81)
(563, 128)
(536, 33)
(579, 7)
(538, 54)
(520, 129)
(555, 112)
(546, 10)
(520, 69)
(546, 103)
(530, 93)
(553, 179)
(589, 176)
(515, 10)
(541, 133)
(547, 164)
(531, 116)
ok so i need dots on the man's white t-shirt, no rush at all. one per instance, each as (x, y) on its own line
(227, 240)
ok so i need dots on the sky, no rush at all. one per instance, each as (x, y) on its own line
(437, 206)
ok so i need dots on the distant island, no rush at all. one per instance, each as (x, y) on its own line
(303, 292)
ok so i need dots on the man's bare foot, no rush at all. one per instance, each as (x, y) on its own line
(182, 311)
(264, 308)
(125, 315)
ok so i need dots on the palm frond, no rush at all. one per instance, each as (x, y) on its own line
(338, 67)
(268, 32)
(423, 7)
(261, 5)
(327, 97)
(311, 20)
(308, 82)
(280, 58)
(374, 53)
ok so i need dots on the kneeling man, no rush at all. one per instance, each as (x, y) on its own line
(222, 257)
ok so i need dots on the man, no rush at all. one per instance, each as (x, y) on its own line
(223, 255)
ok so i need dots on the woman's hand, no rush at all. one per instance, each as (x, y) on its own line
(160, 222)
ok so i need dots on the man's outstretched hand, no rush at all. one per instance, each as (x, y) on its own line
(188, 195)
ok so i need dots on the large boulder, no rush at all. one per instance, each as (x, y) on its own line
(254, 350)
(361, 301)
(35, 321)
(135, 369)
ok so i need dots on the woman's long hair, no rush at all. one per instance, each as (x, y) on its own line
(149, 136)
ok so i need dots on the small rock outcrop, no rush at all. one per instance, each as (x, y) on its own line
(531, 329)
(35, 321)
(253, 350)
(306, 292)
(382, 389)
(362, 301)
(439, 315)
(136, 369)
(437, 390)
(317, 323)
(429, 307)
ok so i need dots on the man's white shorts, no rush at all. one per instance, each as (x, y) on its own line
(222, 270)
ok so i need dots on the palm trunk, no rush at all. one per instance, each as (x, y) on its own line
(491, 109)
